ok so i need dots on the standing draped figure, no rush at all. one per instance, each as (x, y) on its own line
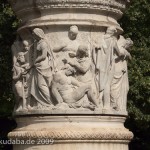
(120, 83)
(43, 69)
(103, 56)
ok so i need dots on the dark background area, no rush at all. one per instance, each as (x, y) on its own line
(136, 25)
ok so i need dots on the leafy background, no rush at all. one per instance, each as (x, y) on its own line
(136, 25)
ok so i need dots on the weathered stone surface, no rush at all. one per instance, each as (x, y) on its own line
(73, 132)
(70, 64)
(66, 12)
(85, 73)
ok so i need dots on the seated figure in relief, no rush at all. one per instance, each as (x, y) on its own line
(81, 62)
(66, 88)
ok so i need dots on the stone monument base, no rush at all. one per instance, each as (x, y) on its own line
(71, 132)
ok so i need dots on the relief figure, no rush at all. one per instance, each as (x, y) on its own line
(69, 46)
(20, 70)
(120, 83)
(82, 64)
(43, 69)
(66, 88)
(16, 48)
(103, 56)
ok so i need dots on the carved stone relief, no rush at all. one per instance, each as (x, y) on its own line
(78, 72)
(120, 84)
(20, 80)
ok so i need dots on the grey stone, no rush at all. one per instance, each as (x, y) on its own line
(70, 75)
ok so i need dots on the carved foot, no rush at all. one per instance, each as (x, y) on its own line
(24, 109)
(107, 110)
(19, 108)
(29, 107)
(98, 109)
(115, 106)
(90, 106)
(61, 106)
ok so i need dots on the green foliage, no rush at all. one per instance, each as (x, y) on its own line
(8, 26)
(136, 24)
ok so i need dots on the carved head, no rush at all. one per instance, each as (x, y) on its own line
(111, 30)
(73, 32)
(38, 34)
(82, 51)
(128, 43)
(21, 58)
(26, 45)
(68, 70)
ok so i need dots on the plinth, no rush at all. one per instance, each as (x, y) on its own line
(72, 132)
(70, 75)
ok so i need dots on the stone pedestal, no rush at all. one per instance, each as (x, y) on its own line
(72, 132)
(70, 75)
